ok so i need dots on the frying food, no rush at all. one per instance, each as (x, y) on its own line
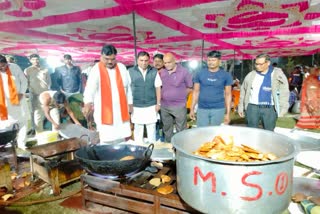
(165, 178)
(298, 197)
(165, 190)
(222, 147)
(155, 182)
(129, 157)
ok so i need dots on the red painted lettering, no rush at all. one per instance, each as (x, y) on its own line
(244, 182)
(281, 184)
(204, 178)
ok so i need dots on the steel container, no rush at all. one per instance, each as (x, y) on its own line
(213, 186)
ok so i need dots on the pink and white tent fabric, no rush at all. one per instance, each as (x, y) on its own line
(241, 29)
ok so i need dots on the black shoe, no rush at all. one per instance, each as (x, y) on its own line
(31, 132)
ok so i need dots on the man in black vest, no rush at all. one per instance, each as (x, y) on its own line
(146, 92)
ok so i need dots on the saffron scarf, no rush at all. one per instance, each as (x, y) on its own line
(13, 95)
(265, 91)
(106, 96)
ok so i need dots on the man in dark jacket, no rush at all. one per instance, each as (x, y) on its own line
(146, 92)
(68, 77)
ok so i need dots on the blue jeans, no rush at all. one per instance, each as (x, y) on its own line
(210, 117)
(267, 115)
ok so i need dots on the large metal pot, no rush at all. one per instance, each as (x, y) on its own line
(105, 160)
(213, 186)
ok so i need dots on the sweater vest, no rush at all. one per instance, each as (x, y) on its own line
(143, 91)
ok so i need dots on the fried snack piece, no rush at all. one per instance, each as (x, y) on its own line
(222, 148)
(165, 179)
(129, 157)
(165, 190)
(155, 182)
(7, 196)
(249, 149)
(206, 146)
(298, 197)
(270, 156)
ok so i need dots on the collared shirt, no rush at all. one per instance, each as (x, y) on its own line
(174, 87)
(38, 79)
(255, 88)
(68, 79)
(157, 81)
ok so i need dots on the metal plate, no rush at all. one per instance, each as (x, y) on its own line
(309, 141)
(163, 154)
(72, 130)
(307, 186)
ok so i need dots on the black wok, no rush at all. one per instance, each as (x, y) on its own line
(104, 160)
(9, 135)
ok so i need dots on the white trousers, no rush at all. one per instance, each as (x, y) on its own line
(151, 132)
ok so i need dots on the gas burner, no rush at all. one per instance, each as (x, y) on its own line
(104, 176)
(115, 177)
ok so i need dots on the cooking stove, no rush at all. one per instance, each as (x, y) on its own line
(114, 178)
(134, 193)
(5, 176)
(54, 162)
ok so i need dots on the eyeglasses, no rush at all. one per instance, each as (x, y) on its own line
(260, 64)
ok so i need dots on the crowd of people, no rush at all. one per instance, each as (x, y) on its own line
(146, 96)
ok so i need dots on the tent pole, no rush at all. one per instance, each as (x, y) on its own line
(252, 61)
(135, 37)
(241, 79)
(202, 48)
(234, 62)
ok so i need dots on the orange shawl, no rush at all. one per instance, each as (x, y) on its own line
(106, 96)
(14, 99)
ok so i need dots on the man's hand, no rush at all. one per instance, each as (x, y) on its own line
(56, 126)
(157, 108)
(227, 119)
(130, 108)
(87, 108)
(78, 123)
(192, 115)
(20, 96)
(241, 114)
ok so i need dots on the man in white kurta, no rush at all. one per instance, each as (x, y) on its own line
(119, 130)
(146, 93)
(16, 112)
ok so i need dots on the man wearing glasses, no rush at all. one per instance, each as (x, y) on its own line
(264, 94)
